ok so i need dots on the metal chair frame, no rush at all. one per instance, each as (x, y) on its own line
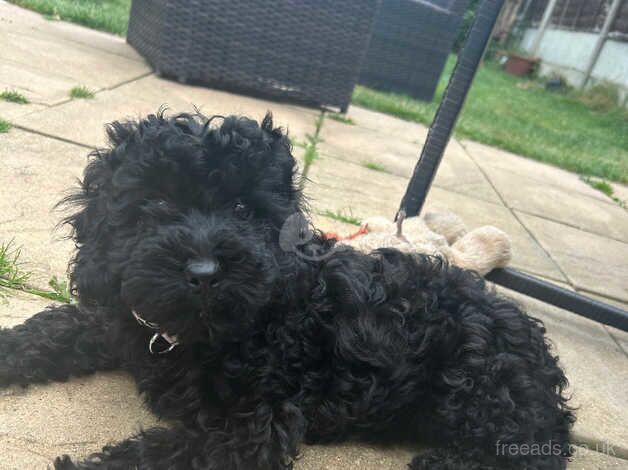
(440, 131)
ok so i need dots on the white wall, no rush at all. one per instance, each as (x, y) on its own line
(567, 53)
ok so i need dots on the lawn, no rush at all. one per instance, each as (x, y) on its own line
(521, 116)
(106, 15)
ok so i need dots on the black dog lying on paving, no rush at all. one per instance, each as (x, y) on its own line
(184, 279)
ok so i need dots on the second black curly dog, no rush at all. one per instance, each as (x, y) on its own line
(256, 347)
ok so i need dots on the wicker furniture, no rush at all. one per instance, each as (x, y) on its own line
(410, 44)
(301, 50)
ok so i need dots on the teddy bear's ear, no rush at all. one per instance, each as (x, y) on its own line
(482, 250)
(447, 224)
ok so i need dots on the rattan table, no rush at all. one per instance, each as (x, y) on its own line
(299, 50)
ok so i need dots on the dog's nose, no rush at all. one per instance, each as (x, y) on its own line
(202, 273)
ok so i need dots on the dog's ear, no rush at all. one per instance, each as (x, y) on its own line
(89, 272)
(94, 196)
(286, 165)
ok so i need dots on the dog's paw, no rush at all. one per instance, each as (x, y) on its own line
(64, 463)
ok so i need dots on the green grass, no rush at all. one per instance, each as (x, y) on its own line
(509, 113)
(60, 291)
(106, 15)
(13, 278)
(374, 166)
(341, 118)
(81, 92)
(13, 96)
(600, 185)
(311, 147)
(4, 126)
(604, 187)
(342, 217)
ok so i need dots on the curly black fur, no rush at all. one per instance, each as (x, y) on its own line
(282, 346)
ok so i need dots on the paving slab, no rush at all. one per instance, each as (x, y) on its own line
(63, 32)
(41, 254)
(354, 456)
(597, 370)
(34, 424)
(490, 157)
(83, 121)
(34, 85)
(459, 173)
(362, 146)
(620, 337)
(527, 254)
(35, 173)
(9, 111)
(620, 191)
(45, 70)
(14, 17)
(591, 459)
(347, 188)
(16, 307)
(551, 192)
(588, 213)
(33, 67)
(591, 262)
(398, 156)
(389, 125)
(364, 457)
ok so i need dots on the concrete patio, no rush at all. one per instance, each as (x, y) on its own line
(561, 228)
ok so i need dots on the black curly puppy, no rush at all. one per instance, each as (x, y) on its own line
(252, 348)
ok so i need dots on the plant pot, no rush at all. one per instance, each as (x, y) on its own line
(520, 66)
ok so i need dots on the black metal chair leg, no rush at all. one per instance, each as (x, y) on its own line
(559, 297)
(454, 96)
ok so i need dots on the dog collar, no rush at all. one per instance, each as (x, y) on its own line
(171, 341)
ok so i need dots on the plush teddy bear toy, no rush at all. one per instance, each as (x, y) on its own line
(437, 233)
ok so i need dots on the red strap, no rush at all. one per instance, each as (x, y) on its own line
(364, 229)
